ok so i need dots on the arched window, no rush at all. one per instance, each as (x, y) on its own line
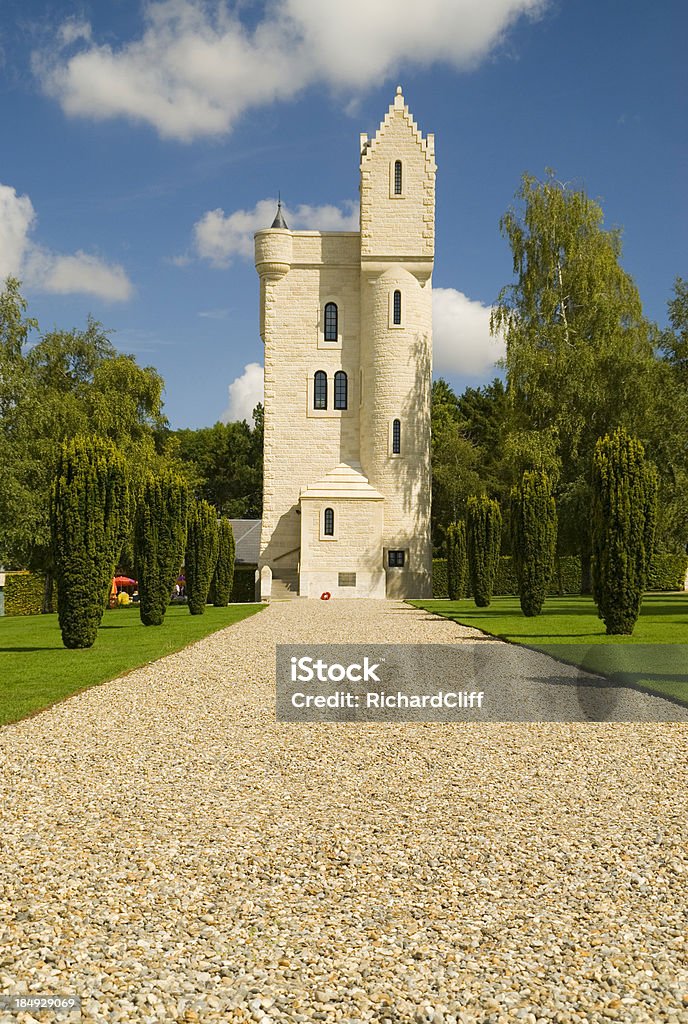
(340, 390)
(328, 522)
(320, 390)
(331, 321)
(397, 307)
(396, 437)
(397, 178)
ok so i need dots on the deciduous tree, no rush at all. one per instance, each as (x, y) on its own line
(579, 358)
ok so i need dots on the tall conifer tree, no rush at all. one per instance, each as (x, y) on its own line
(201, 554)
(221, 587)
(534, 537)
(457, 565)
(160, 526)
(624, 488)
(89, 513)
(483, 536)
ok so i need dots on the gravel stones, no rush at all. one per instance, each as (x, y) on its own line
(171, 853)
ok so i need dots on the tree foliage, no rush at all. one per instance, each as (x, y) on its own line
(89, 512)
(221, 587)
(467, 436)
(483, 541)
(624, 488)
(579, 353)
(69, 383)
(160, 527)
(201, 554)
(534, 538)
(225, 463)
(457, 561)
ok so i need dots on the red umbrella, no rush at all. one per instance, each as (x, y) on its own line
(125, 581)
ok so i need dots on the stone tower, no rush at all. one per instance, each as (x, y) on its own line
(346, 318)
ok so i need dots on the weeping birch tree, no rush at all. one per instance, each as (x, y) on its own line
(579, 355)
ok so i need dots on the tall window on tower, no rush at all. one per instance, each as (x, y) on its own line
(340, 390)
(397, 307)
(331, 321)
(397, 177)
(320, 390)
(396, 437)
(328, 522)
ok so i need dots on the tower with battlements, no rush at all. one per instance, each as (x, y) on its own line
(346, 319)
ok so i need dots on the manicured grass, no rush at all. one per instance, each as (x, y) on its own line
(645, 659)
(36, 670)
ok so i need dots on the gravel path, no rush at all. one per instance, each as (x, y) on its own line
(171, 853)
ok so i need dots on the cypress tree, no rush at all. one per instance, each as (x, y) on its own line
(483, 542)
(89, 512)
(624, 495)
(159, 541)
(534, 538)
(457, 565)
(201, 554)
(221, 587)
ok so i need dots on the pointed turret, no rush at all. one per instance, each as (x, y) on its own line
(279, 221)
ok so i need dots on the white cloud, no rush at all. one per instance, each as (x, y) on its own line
(50, 271)
(462, 342)
(196, 68)
(88, 275)
(17, 217)
(244, 394)
(219, 237)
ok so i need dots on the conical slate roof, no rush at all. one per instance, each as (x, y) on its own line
(279, 221)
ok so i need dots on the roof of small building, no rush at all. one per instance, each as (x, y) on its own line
(246, 539)
(344, 481)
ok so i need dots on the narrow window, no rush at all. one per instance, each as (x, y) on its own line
(331, 321)
(397, 307)
(340, 390)
(397, 178)
(328, 524)
(320, 390)
(395, 559)
(396, 437)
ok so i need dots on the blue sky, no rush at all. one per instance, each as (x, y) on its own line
(143, 143)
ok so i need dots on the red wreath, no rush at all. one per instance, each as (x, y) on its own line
(326, 596)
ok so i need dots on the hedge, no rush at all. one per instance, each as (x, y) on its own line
(243, 587)
(666, 572)
(24, 593)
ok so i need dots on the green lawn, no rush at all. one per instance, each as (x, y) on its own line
(649, 659)
(36, 670)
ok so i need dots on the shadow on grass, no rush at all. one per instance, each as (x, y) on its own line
(523, 638)
(26, 650)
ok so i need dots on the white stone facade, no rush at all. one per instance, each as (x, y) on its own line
(372, 475)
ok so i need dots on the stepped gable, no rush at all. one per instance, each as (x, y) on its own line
(427, 144)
